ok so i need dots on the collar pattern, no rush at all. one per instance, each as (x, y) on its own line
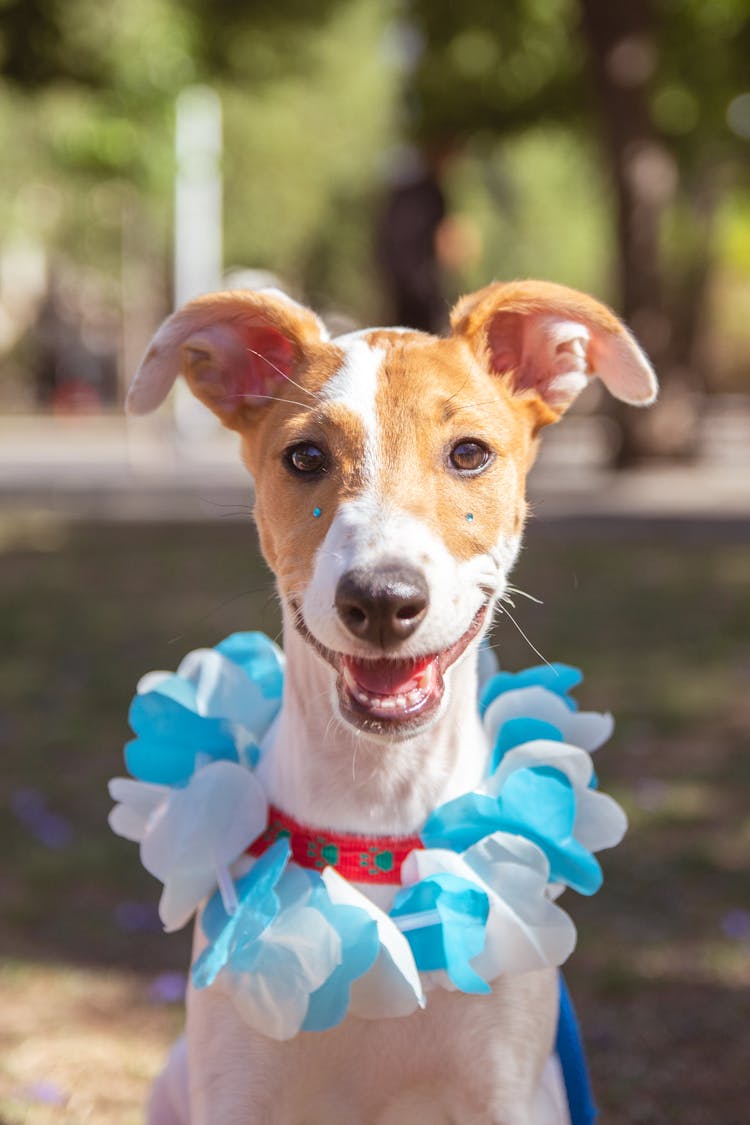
(363, 859)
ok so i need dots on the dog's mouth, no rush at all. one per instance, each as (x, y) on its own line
(389, 696)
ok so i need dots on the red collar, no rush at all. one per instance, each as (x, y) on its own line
(362, 859)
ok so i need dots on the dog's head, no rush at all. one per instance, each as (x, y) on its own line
(390, 465)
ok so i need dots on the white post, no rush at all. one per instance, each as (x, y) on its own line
(197, 227)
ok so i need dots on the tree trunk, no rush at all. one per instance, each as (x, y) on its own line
(623, 53)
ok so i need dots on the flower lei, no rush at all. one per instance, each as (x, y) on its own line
(296, 948)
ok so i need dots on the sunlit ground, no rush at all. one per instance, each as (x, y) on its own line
(660, 623)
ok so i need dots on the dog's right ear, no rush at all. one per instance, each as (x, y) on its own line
(236, 349)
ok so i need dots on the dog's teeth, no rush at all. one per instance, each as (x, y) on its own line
(400, 702)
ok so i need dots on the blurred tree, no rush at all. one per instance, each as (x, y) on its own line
(91, 86)
(654, 78)
(664, 73)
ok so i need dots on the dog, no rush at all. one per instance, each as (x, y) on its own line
(389, 469)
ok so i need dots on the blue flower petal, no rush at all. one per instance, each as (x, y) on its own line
(538, 803)
(514, 732)
(360, 946)
(219, 703)
(259, 658)
(172, 762)
(461, 822)
(232, 936)
(558, 678)
(457, 934)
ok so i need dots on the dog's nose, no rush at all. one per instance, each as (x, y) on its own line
(384, 606)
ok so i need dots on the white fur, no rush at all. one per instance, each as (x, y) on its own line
(355, 386)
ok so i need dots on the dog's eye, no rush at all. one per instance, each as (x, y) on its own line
(469, 456)
(305, 458)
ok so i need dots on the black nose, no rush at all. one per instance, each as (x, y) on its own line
(384, 606)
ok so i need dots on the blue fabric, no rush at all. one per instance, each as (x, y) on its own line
(572, 1058)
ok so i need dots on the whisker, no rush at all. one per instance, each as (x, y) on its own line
(525, 637)
(524, 594)
(449, 400)
(272, 398)
(234, 505)
(216, 609)
(283, 374)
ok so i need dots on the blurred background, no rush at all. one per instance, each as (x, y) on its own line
(375, 158)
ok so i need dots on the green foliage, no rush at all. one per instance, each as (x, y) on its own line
(538, 205)
(490, 66)
(136, 50)
(306, 117)
(314, 95)
(302, 161)
(702, 63)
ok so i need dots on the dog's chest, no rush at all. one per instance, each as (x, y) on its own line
(464, 1059)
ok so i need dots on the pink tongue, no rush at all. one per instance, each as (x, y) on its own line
(387, 677)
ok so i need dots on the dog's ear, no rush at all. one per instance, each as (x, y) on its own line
(551, 341)
(236, 349)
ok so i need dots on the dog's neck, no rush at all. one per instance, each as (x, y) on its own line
(323, 773)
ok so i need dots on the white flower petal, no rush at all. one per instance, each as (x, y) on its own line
(225, 691)
(587, 729)
(211, 821)
(525, 930)
(298, 953)
(194, 830)
(183, 892)
(392, 987)
(150, 681)
(138, 801)
(600, 822)
(569, 760)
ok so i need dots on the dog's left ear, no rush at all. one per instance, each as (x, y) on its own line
(550, 340)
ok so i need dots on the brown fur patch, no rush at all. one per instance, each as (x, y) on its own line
(289, 532)
(432, 395)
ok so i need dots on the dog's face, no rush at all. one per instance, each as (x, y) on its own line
(390, 466)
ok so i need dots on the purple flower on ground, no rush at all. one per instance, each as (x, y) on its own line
(168, 988)
(49, 828)
(736, 925)
(47, 1092)
(137, 917)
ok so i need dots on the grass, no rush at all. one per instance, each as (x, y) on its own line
(661, 977)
